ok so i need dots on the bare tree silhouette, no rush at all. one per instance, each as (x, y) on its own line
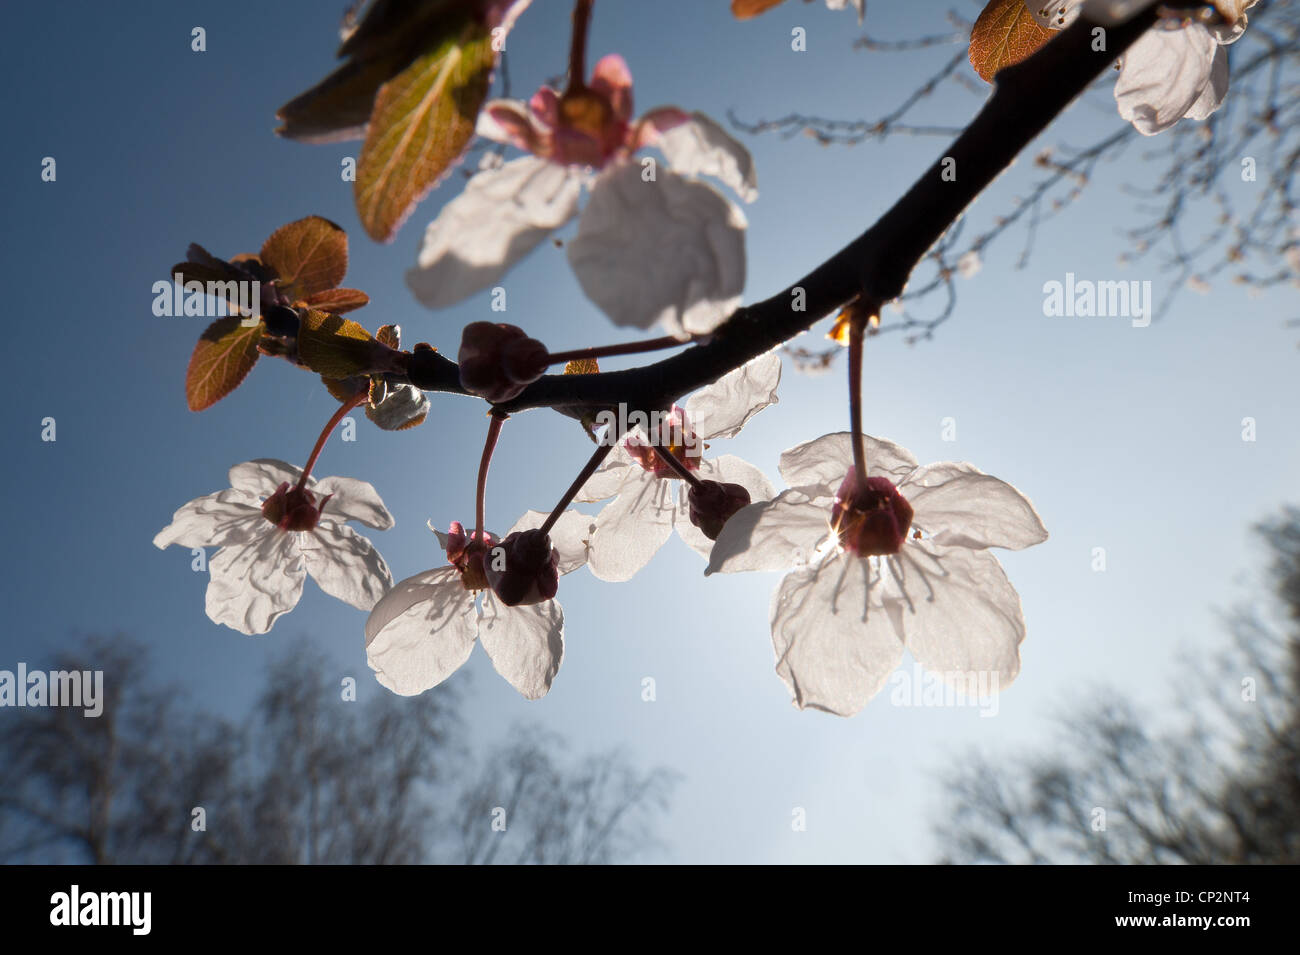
(1220, 784)
(307, 778)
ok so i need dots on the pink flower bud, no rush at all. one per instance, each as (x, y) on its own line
(293, 508)
(712, 505)
(524, 568)
(870, 517)
(498, 361)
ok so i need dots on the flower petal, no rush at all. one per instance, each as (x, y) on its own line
(700, 147)
(262, 476)
(631, 528)
(345, 565)
(961, 506)
(254, 582)
(421, 632)
(214, 520)
(770, 535)
(727, 469)
(610, 477)
(353, 500)
(670, 250)
(833, 651)
(1216, 89)
(526, 644)
(721, 409)
(961, 617)
(509, 122)
(818, 466)
(1165, 72)
(502, 215)
(570, 535)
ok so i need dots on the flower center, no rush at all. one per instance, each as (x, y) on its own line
(870, 517)
(466, 553)
(676, 437)
(293, 508)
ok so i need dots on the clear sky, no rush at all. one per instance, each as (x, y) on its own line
(1125, 438)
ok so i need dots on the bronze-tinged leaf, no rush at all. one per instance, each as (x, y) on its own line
(390, 35)
(423, 119)
(345, 389)
(390, 335)
(338, 300)
(226, 352)
(1005, 33)
(745, 9)
(582, 366)
(334, 347)
(309, 256)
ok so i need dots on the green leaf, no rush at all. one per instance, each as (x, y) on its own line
(422, 121)
(334, 347)
(309, 256)
(226, 352)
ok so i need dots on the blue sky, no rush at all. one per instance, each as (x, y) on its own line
(1125, 438)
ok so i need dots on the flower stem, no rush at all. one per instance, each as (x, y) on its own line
(858, 314)
(682, 470)
(608, 351)
(578, 48)
(480, 500)
(587, 471)
(324, 435)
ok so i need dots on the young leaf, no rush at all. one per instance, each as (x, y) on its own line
(338, 300)
(334, 347)
(423, 120)
(744, 9)
(225, 354)
(310, 256)
(1005, 33)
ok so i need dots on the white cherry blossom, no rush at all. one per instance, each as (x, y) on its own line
(423, 630)
(840, 621)
(653, 245)
(271, 537)
(649, 501)
(1177, 69)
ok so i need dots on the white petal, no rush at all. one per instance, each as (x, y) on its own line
(502, 215)
(262, 476)
(727, 469)
(1216, 89)
(962, 617)
(526, 644)
(254, 582)
(421, 632)
(353, 500)
(631, 528)
(571, 535)
(610, 477)
(721, 409)
(859, 5)
(700, 147)
(1054, 14)
(832, 650)
(345, 564)
(671, 251)
(1164, 74)
(771, 535)
(228, 517)
(959, 505)
(819, 466)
